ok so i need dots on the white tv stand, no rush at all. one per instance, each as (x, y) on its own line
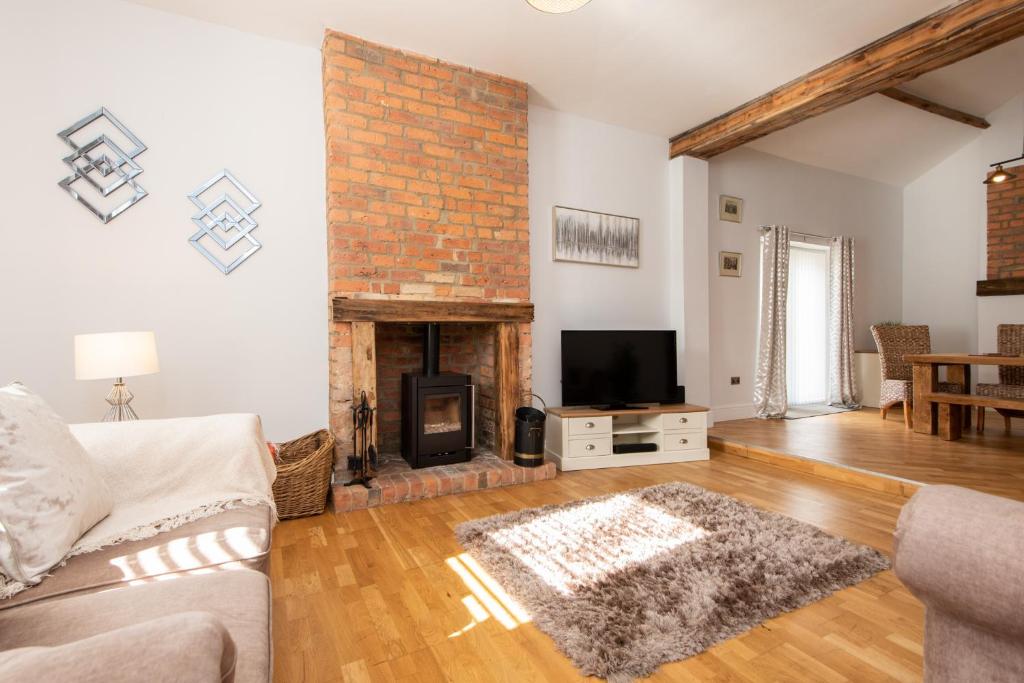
(583, 438)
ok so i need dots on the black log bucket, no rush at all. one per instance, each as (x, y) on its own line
(529, 447)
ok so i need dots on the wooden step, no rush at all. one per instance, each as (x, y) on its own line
(851, 476)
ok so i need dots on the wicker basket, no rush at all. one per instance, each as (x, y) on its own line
(304, 475)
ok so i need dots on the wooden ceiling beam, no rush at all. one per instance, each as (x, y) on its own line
(947, 36)
(935, 108)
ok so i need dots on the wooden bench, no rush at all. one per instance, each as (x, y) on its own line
(951, 409)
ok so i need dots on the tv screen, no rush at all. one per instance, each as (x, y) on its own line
(617, 368)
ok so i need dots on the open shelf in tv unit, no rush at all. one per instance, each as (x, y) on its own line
(616, 430)
(580, 438)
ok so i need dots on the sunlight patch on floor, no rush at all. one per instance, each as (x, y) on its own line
(487, 599)
(573, 548)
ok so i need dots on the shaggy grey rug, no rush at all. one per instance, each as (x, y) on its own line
(626, 582)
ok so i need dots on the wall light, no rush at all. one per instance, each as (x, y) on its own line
(1000, 175)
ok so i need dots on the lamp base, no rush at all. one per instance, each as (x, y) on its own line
(119, 398)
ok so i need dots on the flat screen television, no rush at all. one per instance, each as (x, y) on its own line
(614, 369)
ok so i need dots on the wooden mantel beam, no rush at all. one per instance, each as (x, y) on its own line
(423, 311)
(935, 108)
(940, 39)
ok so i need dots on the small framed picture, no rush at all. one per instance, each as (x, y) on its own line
(730, 263)
(730, 208)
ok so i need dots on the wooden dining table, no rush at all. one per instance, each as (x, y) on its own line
(943, 414)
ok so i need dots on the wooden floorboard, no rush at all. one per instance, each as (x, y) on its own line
(992, 462)
(370, 596)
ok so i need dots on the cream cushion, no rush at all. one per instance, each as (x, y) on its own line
(51, 490)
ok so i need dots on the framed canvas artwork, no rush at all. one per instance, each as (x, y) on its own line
(592, 237)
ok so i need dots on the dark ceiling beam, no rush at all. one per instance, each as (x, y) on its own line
(947, 36)
(935, 108)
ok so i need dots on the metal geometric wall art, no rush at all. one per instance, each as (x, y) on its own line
(226, 229)
(96, 157)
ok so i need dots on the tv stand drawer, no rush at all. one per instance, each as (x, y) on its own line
(674, 422)
(685, 441)
(585, 426)
(583, 448)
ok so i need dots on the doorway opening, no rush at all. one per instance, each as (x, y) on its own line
(807, 324)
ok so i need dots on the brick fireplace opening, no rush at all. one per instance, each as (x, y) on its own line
(464, 348)
(386, 339)
(427, 209)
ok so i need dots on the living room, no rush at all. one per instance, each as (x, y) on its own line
(363, 271)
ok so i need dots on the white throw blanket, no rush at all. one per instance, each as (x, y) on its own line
(165, 473)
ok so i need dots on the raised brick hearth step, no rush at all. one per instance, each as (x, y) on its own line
(397, 482)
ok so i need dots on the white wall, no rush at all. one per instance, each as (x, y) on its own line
(584, 164)
(688, 279)
(807, 199)
(944, 251)
(201, 97)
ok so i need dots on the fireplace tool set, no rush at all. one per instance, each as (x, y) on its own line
(363, 460)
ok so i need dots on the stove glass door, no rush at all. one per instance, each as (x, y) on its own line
(442, 413)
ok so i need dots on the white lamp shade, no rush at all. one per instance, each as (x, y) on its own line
(557, 6)
(115, 354)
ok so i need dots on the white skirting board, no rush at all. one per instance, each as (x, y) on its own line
(869, 378)
(740, 411)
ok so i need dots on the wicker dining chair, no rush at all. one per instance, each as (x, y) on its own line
(1009, 341)
(893, 341)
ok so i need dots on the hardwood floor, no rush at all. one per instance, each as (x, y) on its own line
(992, 462)
(379, 595)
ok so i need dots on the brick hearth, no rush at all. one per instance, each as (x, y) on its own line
(398, 483)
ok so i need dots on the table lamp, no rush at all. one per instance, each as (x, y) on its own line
(116, 355)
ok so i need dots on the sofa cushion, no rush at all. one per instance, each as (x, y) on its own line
(233, 538)
(199, 650)
(240, 600)
(960, 551)
(52, 491)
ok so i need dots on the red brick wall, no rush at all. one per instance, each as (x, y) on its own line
(427, 176)
(1006, 227)
(426, 199)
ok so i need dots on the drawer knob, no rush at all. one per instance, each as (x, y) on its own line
(684, 441)
(683, 420)
(589, 425)
(590, 446)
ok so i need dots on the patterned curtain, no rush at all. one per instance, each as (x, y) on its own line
(770, 376)
(842, 380)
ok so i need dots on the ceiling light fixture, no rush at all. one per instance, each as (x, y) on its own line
(557, 6)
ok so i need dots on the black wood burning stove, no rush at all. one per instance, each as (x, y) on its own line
(437, 410)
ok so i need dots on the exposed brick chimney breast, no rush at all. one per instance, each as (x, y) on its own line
(426, 199)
